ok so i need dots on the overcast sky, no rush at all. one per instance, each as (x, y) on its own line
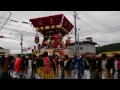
(103, 26)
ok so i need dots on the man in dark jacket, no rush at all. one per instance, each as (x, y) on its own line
(67, 67)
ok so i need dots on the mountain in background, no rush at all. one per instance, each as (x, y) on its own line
(108, 48)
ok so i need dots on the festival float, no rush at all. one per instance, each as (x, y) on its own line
(53, 28)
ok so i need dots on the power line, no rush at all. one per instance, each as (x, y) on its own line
(23, 22)
(89, 25)
(20, 31)
(14, 24)
(97, 30)
(104, 32)
(6, 20)
(99, 33)
(95, 20)
(100, 24)
(16, 20)
(3, 15)
(16, 39)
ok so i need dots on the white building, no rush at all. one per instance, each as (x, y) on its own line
(4, 52)
(82, 47)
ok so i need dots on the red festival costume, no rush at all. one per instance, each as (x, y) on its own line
(47, 65)
(17, 65)
(56, 42)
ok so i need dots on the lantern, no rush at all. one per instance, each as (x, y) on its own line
(36, 39)
(68, 41)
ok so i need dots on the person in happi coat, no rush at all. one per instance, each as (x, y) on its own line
(67, 67)
(115, 66)
(86, 66)
(17, 67)
(104, 72)
(55, 59)
(40, 67)
(74, 67)
(46, 65)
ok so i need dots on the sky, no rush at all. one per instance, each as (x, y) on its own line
(103, 26)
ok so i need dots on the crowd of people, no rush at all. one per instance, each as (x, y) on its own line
(84, 66)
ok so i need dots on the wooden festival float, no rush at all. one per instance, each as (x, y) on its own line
(53, 28)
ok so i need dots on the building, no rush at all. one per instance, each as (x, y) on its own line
(4, 52)
(82, 47)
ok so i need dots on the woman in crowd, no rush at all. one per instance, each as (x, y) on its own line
(67, 67)
(5, 67)
(53, 68)
(40, 67)
(23, 66)
(55, 60)
(46, 65)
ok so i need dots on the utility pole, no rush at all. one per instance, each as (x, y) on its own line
(78, 44)
(75, 16)
(75, 24)
(21, 43)
(77, 36)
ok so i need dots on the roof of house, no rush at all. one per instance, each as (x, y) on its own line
(84, 42)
